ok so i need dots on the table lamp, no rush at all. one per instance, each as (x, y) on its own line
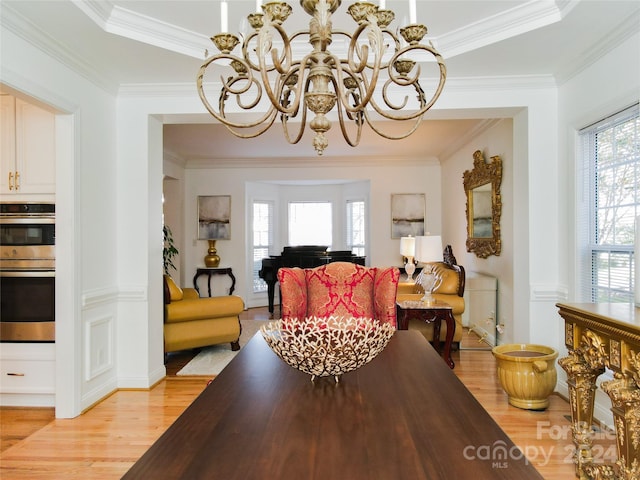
(428, 250)
(408, 250)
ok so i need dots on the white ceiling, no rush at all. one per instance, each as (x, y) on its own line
(131, 44)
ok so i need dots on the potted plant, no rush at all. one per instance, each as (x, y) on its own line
(169, 250)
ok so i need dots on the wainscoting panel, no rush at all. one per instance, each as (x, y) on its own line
(98, 346)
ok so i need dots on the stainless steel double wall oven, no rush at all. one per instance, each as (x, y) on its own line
(27, 272)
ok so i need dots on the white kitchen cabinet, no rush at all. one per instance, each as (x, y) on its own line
(27, 148)
(27, 374)
(480, 297)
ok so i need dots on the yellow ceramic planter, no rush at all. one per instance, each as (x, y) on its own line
(527, 373)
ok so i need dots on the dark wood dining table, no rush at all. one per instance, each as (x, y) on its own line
(405, 415)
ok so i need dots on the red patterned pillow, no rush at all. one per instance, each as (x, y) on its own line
(340, 289)
(385, 290)
(293, 293)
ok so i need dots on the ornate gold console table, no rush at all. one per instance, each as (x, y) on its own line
(598, 336)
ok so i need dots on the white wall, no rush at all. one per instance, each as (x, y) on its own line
(86, 223)
(497, 139)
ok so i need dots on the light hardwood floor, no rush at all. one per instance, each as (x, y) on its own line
(105, 441)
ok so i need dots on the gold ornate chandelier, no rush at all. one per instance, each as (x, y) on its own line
(370, 81)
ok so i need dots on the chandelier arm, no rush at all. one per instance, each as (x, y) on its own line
(343, 127)
(253, 66)
(267, 126)
(290, 110)
(221, 56)
(226, 89)
(383, 65)
(412, 81)
(285, 127)
(362, 52)
(394, 38)
(281, 63)
(372, 125)
(365, 89)
(375, 36)
(410, 116)
(375, 39)
(246, 52)
(403, 78)
(220, 115)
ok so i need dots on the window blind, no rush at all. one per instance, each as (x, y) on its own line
(608, 203)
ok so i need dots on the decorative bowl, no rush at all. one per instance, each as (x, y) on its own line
(323, 347)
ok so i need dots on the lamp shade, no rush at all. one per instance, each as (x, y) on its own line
(429, 249)
(408, 246)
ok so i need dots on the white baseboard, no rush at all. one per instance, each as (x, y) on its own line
(143, 382)
(27, 400)
(98, 394)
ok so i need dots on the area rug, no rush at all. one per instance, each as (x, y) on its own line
(211, 360)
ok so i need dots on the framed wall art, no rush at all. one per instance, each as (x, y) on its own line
(214, 217)
(407, 214)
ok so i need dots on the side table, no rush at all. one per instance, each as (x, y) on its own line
(214, 271)
(429, 312)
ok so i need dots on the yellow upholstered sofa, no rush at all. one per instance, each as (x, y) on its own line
(191, 321)
(450, 291)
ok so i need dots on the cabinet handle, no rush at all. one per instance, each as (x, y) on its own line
(15, 374)
(17, 182)
(10, 180)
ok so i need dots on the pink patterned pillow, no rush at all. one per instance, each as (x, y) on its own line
(293, 293)
(384, 291)
(340, 289)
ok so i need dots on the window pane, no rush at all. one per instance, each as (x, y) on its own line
(611, 274)
(310, 223)
(356, 227)
(262, 240)
(612, 158)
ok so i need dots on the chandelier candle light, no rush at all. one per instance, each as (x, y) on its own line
(408, 250)
(375, 78)
(428, 250)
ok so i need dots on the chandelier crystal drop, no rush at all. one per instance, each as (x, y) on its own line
(375, 80)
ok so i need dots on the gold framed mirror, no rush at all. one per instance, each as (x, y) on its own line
(484, 205)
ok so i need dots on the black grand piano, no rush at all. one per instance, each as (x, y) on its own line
(303, 256)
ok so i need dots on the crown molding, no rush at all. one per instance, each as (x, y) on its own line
(467, 136)
(627, 29)
(27, 31)
(514, 21)
(173, 158)
(309, 162)
(127, 23)
(509, 82)
(169, 90)
(509, 23)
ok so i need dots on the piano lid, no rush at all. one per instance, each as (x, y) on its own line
(305, 249)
